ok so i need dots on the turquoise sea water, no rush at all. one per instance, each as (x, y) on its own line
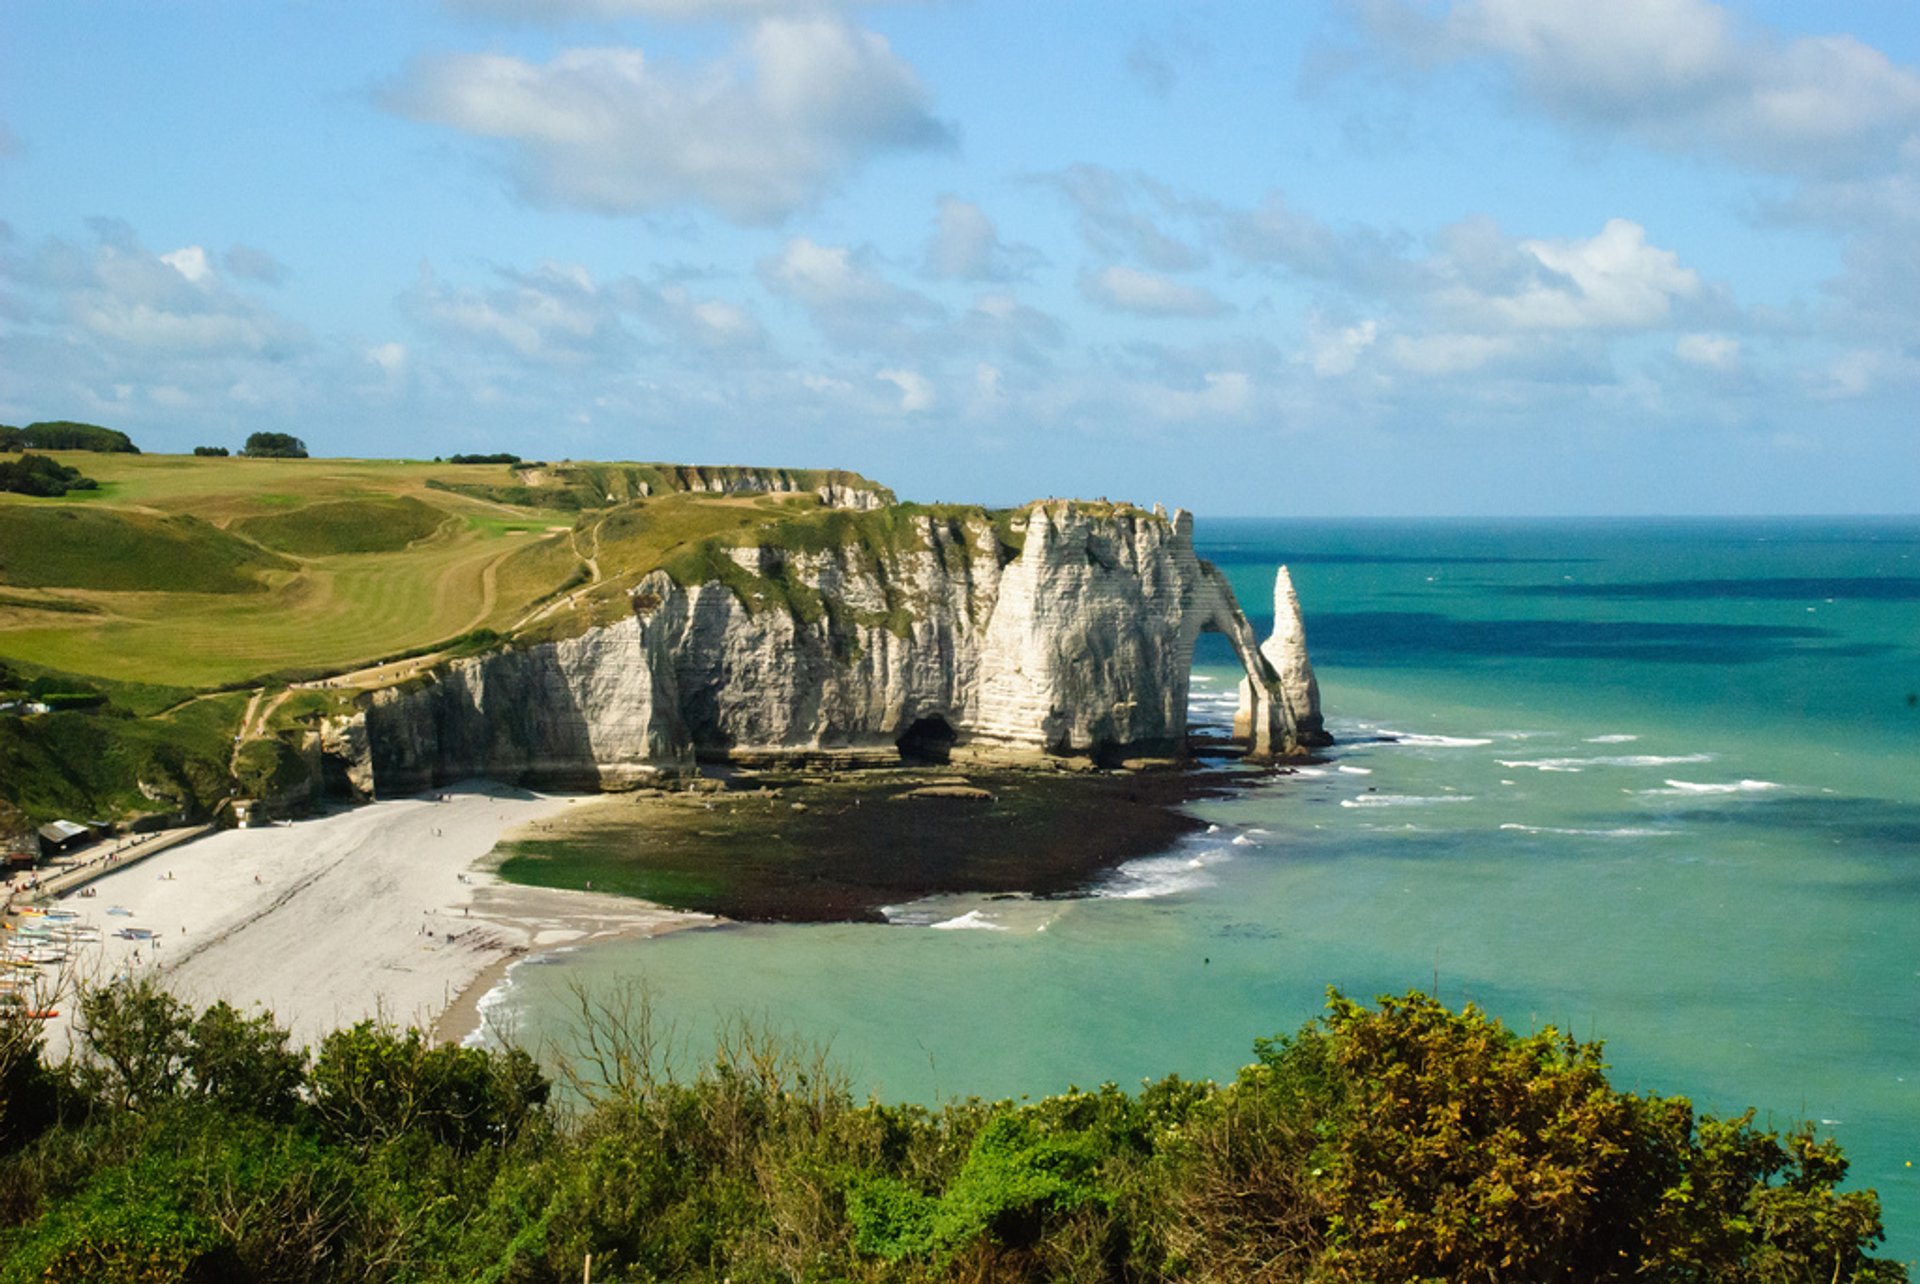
(1654, 783)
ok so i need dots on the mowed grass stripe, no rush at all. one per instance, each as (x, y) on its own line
(334, 614)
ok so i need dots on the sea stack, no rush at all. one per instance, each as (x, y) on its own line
(1286, 651)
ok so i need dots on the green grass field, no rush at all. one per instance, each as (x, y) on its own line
(208, 573)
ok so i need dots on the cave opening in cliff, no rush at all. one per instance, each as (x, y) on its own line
(928, 740)
(1215, 727)
(336, 778)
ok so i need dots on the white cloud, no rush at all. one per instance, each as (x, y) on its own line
(1114, 224)
(1126, 289)
(165, 305)
(190, 262)
(966, 246)
(845, 294)
(986, 382)
(916, 390)
(800, 103)
(1684, 75)
(1709, 351)
(1336, 350)
(556, 314)
(1223, 394)
(390, 357)
(826, 276)
(1447, 354)
(1862, 371)
(1359, 258)
(711, 324)
(1612, 280)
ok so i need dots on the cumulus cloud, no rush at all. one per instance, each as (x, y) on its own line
(713, 324)
(1124, 289)
(1861, 371)
(967, 247)
(1275, 233)
(559, 314)
(916, 390)
(556, 314)
(1613, 280)
(1000, 321)
(845, 294)
(1446, 354)
(1682, 74)
(170, 304)
(1336, 350)
(108, 329)
(1709, 351)
(1128, 216)
(1222, 394)
(390, 357)
(800, 103)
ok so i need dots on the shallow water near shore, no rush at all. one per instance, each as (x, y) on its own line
(1656, 783)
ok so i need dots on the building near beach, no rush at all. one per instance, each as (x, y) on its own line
(62, 834)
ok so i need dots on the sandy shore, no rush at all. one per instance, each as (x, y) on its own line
(385, 910)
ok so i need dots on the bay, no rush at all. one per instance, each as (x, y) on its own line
(1654, 782)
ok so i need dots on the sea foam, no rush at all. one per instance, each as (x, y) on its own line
(1153, 877)
(1692, 788)
(1403, 800)
(1618, 760)
(971, 921)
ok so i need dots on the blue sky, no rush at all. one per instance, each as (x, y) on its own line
(1359, 257)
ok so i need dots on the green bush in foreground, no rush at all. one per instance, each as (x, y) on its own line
(1403, 1141)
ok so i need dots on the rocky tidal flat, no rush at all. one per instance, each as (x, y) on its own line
(788, 847)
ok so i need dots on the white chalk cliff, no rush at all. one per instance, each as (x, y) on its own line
(1061, 629)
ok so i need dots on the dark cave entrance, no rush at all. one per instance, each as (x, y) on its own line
(929, 740)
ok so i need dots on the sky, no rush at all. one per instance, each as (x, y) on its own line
(1279, 257)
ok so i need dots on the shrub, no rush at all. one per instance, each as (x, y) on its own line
(372, 1083)
(38, 475)
(243, 1064)
(210, 452)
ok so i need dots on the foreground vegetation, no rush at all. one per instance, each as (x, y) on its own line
(1400, 1142)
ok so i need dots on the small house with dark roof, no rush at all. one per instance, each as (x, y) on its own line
(62, 834)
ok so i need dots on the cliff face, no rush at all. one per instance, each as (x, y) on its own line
(1068, 630)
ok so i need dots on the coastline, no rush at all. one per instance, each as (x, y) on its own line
(387, 910)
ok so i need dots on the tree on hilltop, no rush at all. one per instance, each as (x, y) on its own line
(66, 434)
(274, 445)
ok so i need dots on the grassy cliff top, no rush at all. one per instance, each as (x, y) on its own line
(202, 573)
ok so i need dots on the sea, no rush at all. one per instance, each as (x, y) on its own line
(1654, 783)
